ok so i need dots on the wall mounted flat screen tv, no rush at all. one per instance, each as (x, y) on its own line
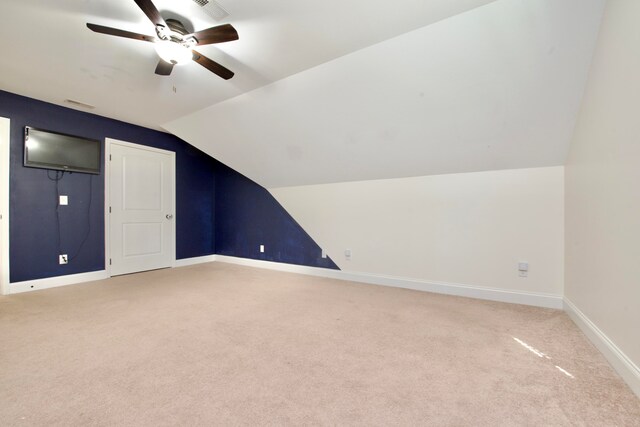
(57, 151)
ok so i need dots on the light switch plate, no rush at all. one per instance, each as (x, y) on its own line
(64, 200)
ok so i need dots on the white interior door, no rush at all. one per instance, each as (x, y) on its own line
(4, 205)
(142, 206)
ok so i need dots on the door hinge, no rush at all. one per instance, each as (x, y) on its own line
(109, 157)
(109, 209)
(109, 261)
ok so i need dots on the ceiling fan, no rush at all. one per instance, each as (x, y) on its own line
(174, 44)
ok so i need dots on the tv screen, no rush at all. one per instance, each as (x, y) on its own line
(52, 150)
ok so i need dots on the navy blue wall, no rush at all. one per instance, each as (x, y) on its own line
(217, 209)
(33, 238)
(247, 215)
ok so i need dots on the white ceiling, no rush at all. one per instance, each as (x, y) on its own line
(327, 91)
(49, 54)
(497, 87)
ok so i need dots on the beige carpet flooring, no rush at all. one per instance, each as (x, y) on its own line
(218, 344)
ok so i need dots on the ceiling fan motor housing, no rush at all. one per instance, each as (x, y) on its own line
(175, 32)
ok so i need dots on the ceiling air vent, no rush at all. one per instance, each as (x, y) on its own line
(79, 104)
(212, 9)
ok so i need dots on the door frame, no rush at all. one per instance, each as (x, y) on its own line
(5, 147)
(107, 196)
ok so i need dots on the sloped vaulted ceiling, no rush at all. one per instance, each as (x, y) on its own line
(497, 87)
(328, 91)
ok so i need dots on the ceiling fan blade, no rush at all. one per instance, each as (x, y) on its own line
(219, 34)
(212, 66)
(150, 10)
(120, 33)
(164, 68)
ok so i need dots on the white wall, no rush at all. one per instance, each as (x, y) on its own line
(4, 205)
(603, 188)
(469, 229)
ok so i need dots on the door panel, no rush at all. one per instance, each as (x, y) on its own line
(142, 206)
(141, 239)
(142, 189)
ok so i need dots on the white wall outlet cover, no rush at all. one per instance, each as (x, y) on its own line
(64, 200)
(323, 254)
(261, 248)
(523, 266)
(63, 259)
(347, 253)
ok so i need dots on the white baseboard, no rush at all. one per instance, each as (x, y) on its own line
(515, 297)
(53, 282)
(195, 260)
(628, 370)
(72, 279)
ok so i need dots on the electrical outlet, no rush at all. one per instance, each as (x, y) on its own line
(64, 200)
(261, 249)
(63, 259)
(347, 254)
(523, 269)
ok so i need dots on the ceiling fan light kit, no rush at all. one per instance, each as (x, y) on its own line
(173, 53)
(173, 44)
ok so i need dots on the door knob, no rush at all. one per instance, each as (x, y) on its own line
(169, 216)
